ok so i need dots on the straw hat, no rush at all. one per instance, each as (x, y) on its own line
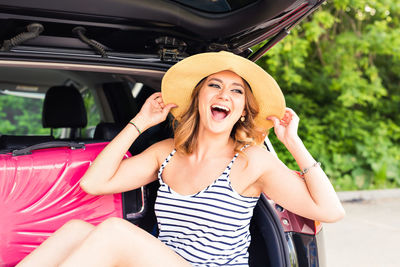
(180, 80)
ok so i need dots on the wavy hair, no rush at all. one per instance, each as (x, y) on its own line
(243, 132)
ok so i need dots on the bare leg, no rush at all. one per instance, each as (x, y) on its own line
(116, 242)
(59, 245)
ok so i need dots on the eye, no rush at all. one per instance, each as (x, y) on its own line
(239, 91)
(215, 85)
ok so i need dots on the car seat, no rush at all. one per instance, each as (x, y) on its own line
(106, 131)
(63, 108)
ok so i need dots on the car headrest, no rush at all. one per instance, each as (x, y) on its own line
(107, 130)
(63, 107)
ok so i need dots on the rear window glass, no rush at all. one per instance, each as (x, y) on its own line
(93, 114)
(216, 6)
(21, 114)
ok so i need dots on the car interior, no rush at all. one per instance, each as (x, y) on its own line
(116, 99)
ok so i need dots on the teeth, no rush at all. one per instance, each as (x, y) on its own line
(221, 107)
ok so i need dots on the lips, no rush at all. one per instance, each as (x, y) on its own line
(219, 112)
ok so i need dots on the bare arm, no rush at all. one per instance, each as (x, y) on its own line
(313, 197)
(109, 173)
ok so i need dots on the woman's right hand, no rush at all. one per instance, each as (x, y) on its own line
(153, 112)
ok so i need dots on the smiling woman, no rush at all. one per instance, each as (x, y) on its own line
(221, 86)
(211, 174)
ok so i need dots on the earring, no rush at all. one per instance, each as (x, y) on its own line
(242, 119)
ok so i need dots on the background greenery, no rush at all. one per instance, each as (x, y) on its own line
(23, 115)
(340, 71)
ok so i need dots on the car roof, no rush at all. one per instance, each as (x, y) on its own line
(148, 27)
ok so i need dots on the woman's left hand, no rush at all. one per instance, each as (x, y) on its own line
(286, 128)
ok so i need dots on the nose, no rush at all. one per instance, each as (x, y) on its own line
(223, 94)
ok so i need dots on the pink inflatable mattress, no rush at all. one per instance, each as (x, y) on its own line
(39, 192)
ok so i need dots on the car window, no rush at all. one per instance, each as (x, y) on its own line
(93, 114)
(21, 114)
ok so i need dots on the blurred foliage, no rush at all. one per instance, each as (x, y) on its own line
(92, 112)
(340, 71)
(23, 115)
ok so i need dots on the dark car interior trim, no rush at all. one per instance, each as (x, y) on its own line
(113, 28)
(151, 73)
(268, 238)
(167, 13)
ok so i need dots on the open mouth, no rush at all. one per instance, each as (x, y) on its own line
(219, 112)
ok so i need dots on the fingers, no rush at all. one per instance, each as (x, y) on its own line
(274, 119)
(292, 113)
(277, 122)
(158, 102)
(168, 107)
(165, 108)
(158, 105)
(288, 117)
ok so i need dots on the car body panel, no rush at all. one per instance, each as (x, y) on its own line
(293, 223)
(140, 26)
(40, 192)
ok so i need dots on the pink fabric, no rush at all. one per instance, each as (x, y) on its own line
(40, 192)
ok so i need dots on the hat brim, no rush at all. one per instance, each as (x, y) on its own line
(180, 80)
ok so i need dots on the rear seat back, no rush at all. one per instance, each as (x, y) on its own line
(106, 131)
(63, 107)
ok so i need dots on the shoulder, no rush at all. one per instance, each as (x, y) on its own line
(162, 149)
(165, 144)
(257, 153)
(252, 164)
(259, 159)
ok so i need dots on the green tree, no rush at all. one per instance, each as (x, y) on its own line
(21, 116)
(339, 70)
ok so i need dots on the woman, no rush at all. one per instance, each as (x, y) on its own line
(210, 182)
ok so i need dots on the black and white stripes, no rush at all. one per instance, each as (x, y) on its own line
(210, 228)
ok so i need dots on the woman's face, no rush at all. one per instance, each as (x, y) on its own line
(221, 101)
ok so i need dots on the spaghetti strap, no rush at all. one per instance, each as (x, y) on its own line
(168, 158)
(228, 168)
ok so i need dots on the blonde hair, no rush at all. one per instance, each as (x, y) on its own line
(243, 132)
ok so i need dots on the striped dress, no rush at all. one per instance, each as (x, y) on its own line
(210, 228)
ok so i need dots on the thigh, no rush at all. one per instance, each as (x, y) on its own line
(59, 245)
(117, 242)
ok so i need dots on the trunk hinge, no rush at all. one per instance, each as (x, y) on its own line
(215, 47)
(171, 49)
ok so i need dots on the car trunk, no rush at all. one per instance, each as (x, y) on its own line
(167, 29)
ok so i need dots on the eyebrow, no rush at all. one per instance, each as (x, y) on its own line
(219, 80)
